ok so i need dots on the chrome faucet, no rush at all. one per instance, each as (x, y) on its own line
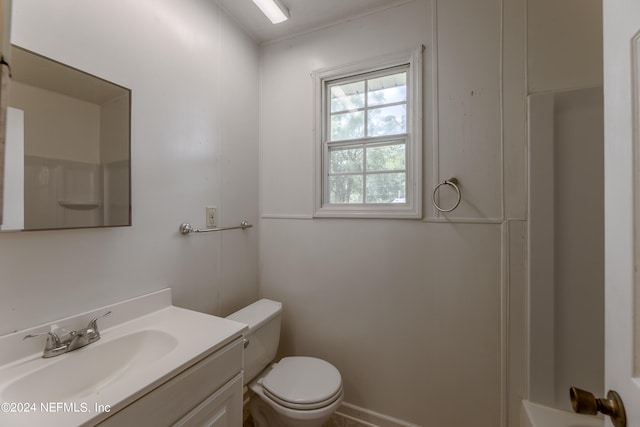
(73, 340)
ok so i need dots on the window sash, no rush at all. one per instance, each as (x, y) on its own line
(411, 62)
(366, 144)
(367, 140)
(365, 77)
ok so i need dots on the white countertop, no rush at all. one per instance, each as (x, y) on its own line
(197, 336)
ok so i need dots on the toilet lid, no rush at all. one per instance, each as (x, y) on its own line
(303, 381)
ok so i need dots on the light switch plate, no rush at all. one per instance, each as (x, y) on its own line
(212, 216)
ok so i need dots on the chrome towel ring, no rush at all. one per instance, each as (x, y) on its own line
(452, 182)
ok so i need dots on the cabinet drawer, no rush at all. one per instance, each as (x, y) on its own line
(168, 403)
(221, 409)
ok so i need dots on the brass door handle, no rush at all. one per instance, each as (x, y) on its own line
(584, 402)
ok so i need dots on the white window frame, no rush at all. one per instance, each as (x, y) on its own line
(412, 208)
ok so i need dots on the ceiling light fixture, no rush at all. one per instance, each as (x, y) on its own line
(273, 9)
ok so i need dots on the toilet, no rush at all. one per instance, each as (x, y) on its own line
(294, 392)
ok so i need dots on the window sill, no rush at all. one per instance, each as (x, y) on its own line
(403, 212)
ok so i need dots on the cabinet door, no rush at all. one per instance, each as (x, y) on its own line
(221, 409)
(169, 402)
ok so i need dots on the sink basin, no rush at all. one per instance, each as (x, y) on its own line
(145, 343)
(87, 370)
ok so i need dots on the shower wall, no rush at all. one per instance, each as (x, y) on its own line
(62, 193)
(566, 244)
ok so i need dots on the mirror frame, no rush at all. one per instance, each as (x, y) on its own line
(81, 74)
(5, 52)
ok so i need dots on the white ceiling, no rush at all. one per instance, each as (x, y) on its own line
(305, 15)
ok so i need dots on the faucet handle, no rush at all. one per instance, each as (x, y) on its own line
(53, 340)
(93, 324)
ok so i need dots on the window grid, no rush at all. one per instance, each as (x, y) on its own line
(365, 145)
(397, 122)
(367, 140)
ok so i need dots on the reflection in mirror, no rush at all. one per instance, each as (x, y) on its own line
(71, 133)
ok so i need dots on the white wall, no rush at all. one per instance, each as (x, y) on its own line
(415, 315)
(194, 80)
(411, 312)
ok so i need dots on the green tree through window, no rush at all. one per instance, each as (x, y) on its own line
(367, 159)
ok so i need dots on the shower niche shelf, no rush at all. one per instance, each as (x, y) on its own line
(80, 205)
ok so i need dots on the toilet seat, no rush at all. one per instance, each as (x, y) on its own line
(303, 407)
(303, 383)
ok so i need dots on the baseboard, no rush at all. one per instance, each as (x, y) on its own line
(349, 415)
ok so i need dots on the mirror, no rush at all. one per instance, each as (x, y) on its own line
(68, 138)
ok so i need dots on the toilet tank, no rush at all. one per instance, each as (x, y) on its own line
(263, 318)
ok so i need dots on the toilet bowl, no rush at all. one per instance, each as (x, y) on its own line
(294, 392)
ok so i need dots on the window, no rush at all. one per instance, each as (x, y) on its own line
(369, 145)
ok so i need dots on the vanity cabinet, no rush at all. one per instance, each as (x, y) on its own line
(208, 393)
(221, 409)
